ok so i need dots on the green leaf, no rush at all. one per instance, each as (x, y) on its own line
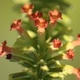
(33, 75)
(51, 63)
(56, 69)
(41, 69)
(20, 43)
(26, 63)
(48, 77)
(34, 56)
(22, 57)
(48, 53)
(19, 76)
(27, 37)
(57, 57)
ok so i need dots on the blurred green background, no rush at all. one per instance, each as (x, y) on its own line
(7, 15)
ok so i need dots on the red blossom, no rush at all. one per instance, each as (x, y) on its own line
(54, 16)
(16, 25)
(27, 8)
(4, 49)
(56, 43)
(41, 24)
(70, 54)
(36, 15)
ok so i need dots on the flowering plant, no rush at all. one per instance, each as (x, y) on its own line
(39, 49)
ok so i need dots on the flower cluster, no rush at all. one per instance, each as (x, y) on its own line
(44, 59)
(38, 19)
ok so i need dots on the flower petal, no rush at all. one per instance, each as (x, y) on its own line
(16, 25)
(54, 16)
(27, 8)
(56, 43)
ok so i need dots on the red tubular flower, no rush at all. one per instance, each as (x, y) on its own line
(76, 42)
(16, 25)
(36, 15)
(27, 8)
(54, 16)
(41, 24)
(56, 43)
(70, 54)
(4, 49)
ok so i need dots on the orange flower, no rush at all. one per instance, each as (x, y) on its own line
(56, 43)
(36, 15)
(54, 16)
(27, 8)
(41, 24)
(16, 25)
(4, 50)
(69, 54)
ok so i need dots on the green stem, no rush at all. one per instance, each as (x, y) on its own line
(26, 36)
(41, 41)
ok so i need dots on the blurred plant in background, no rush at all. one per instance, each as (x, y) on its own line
(44, 39)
